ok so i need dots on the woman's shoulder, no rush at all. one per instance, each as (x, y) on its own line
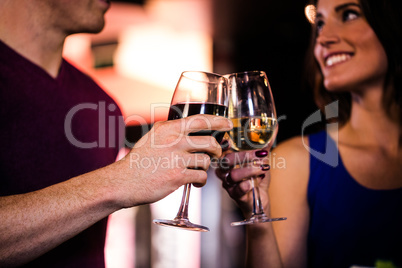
(294, 148)
(300, 145)
(290, 160)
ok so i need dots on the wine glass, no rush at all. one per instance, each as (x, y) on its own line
(255, 125)
(196, 93)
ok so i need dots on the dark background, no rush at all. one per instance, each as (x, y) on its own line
(271, 36)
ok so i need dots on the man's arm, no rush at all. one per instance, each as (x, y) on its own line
(34, 223)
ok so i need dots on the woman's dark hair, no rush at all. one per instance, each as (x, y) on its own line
(385, 18)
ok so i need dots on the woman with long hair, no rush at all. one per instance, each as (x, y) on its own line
(340, 188)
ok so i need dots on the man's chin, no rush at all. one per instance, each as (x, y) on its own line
(91, 29)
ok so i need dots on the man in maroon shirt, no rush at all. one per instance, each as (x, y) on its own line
(58, 182)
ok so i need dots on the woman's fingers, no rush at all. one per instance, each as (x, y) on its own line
(242, 158)
(235, 170)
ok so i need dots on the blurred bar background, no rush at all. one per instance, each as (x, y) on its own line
(138, 59)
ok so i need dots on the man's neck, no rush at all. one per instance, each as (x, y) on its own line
(25, 32)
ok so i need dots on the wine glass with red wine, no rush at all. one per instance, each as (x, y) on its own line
(196, 93)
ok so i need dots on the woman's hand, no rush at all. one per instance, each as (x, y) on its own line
(235, 170)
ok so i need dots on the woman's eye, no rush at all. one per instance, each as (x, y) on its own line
(319, 24)
(348, 15)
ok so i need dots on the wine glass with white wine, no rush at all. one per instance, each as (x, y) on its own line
(255, 125)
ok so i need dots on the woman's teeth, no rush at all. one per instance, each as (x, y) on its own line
(334, 59)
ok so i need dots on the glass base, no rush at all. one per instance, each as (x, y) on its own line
(257, 219)
(182, 223)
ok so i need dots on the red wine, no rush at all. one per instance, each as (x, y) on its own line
(181, 110)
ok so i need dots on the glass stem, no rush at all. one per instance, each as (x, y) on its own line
(183, 210)
(257, 206)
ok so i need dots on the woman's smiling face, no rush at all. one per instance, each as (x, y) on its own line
(347, 49)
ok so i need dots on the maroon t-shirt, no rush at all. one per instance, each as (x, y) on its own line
(52, 129)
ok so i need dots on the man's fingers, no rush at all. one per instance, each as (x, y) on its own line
(199, 161)
(204, 122)
(196, 176)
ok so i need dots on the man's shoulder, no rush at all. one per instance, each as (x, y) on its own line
(71, 69)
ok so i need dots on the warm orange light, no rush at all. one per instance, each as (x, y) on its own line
(157, 54)
(310, 13)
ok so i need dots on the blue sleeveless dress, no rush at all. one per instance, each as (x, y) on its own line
(350, 225)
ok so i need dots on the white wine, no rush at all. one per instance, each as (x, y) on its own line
(251, 133)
